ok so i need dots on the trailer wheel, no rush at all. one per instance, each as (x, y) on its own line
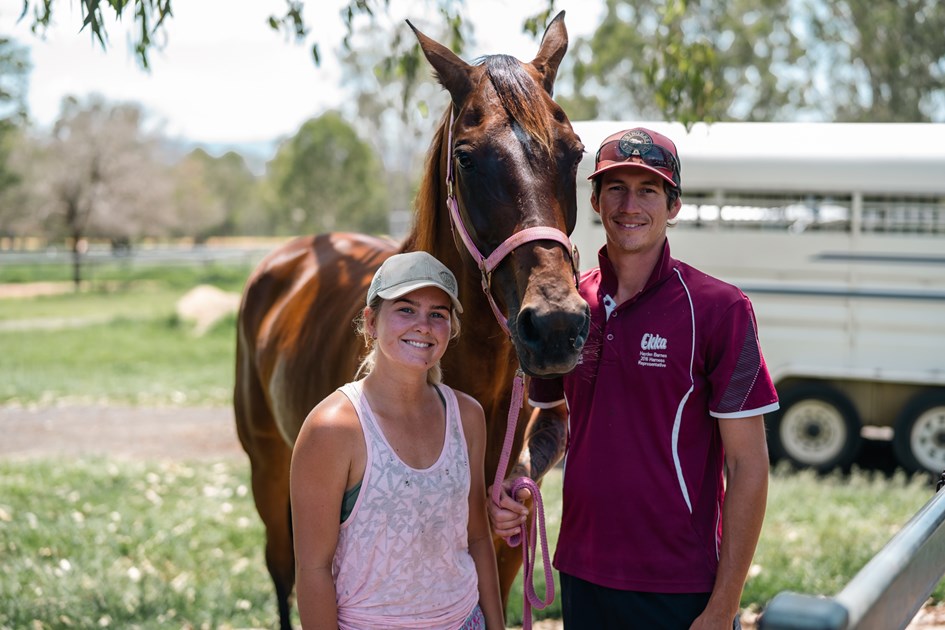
(816, 427)
(919, 438)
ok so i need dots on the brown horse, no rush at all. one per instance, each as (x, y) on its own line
(513, 160)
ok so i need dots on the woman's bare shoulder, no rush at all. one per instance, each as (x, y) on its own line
(333, 422)
(471, 413)
(467, 402)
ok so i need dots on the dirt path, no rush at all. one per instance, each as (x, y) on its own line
(33, 289)
(180, 433)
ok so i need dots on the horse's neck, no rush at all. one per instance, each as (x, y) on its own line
(483, 360)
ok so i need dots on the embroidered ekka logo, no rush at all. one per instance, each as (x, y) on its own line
(652, 341)
(651, 346)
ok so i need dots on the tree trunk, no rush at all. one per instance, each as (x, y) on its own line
(76, 263)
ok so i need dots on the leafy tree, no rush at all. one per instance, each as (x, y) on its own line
(396, 114)
(14, 73)
(234, 188)
(17, 196)
(689, 60)
(325, 178)
(882, 61)
(148, 16)
(763, 60)
(151, 16)
(103, 177)
(199, 210)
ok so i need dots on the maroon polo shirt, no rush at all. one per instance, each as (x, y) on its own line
(643, 482)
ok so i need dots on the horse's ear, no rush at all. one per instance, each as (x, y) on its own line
(451, 71)
(554, 43)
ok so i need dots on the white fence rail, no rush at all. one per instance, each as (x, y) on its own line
(886, 594)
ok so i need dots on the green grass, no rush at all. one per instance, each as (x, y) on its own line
(122, 343)
(142, 302)
(105, 544)
(153, 360)
(94, 542)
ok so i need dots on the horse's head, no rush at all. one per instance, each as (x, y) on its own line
(510, 160)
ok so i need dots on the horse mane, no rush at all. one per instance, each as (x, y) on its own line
(426, 214)
(516, 89)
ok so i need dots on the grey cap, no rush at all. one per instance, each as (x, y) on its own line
(402, 273)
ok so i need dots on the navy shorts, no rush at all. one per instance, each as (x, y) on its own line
(587, 606)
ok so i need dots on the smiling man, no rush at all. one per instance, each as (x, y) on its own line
(666, 474)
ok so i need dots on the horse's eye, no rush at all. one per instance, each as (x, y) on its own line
(576, 161)
(464, 160)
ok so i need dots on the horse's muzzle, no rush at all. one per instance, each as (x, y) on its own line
(549, 339)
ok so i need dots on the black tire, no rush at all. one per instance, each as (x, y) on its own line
(919, 438)
(816, 427)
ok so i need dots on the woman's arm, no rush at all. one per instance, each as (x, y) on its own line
(321, 464)
(479, 535)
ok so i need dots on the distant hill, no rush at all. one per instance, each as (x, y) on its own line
(256, 153)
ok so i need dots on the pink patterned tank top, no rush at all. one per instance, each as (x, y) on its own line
(402, 559)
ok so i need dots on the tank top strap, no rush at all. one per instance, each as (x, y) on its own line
(354, 392)
(456, 437)
(372, 432)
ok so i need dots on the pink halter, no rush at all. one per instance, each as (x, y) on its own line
(488, 264)
(527, 538)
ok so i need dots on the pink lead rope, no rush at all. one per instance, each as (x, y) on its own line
(527, 538)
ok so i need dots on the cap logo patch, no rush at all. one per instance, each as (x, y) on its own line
(635, 143)
(448, 281)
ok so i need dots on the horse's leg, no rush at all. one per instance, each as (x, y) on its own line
(270, 475)
(269, 458)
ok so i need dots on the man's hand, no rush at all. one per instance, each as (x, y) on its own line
(508, 517)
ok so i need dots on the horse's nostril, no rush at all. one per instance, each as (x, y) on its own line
(578, 342)
(528, 332)
(583, 328)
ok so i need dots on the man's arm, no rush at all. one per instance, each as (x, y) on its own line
(546, 438)
(746, 460)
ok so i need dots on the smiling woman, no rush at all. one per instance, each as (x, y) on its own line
(401, 449)
(404, 283)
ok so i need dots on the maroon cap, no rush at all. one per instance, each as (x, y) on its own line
(639, 148)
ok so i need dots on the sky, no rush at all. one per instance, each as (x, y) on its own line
(224, 77)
